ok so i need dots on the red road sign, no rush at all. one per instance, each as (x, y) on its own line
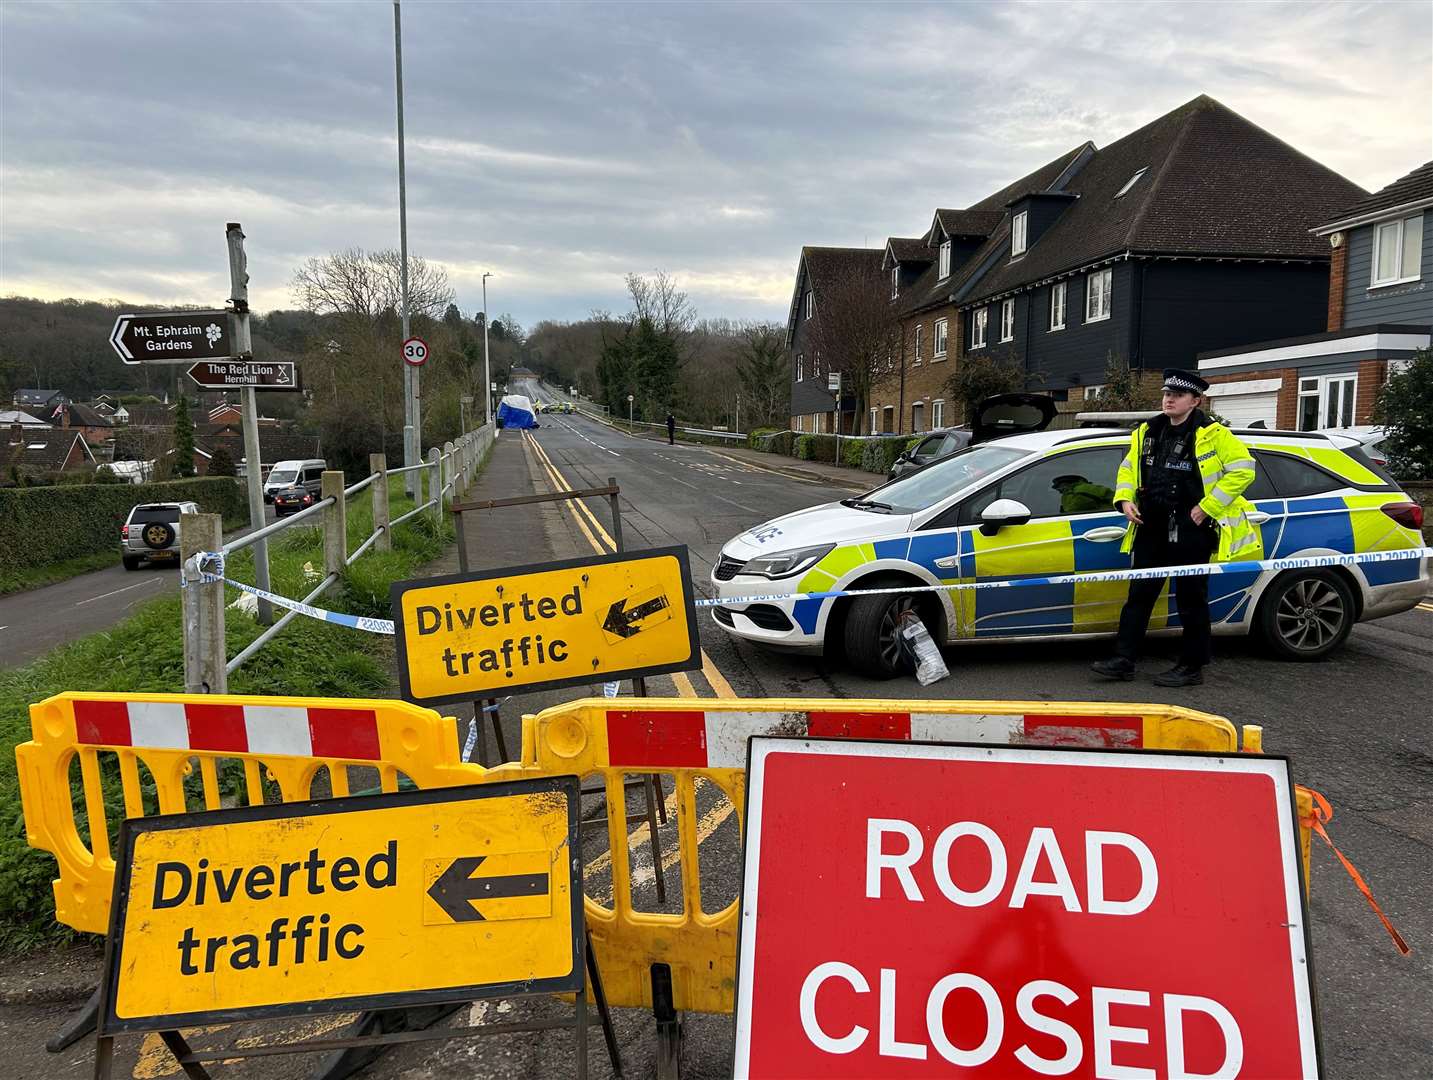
(415, 352)
(1020, 911)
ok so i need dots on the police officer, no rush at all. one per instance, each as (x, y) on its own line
(671, 430)
(1181, 488)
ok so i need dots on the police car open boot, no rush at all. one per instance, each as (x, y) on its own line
(1180, 675)
(1116, 667)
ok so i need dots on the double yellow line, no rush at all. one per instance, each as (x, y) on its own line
(591, 528)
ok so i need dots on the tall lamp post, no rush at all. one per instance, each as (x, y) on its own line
(412, 425)
(487, 375)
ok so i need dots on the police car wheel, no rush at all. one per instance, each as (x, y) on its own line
(872, 637)
(1306, 615)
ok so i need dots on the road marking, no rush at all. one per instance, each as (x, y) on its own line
(116, 592)
(789, 476)
(679, 678)
(1421, 607)
(584, 438)
(718, 682)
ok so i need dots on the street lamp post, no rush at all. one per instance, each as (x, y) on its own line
(411, 424)
(630, 425)
(487, 376)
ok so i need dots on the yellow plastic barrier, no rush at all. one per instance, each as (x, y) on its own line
(171, 736)
(688, 740)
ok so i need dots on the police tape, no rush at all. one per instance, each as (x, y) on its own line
(1306, 562)
(211, 569)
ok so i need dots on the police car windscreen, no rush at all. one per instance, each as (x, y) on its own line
(924, 488)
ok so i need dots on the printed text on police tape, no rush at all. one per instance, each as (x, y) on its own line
(1042, 872)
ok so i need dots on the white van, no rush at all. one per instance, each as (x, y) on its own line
(284, 474)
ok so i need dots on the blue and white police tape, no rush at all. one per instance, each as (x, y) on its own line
(1305, 562)
(211, 568)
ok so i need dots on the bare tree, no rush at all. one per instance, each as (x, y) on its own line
(857, 329)
(657, 298)
(368, 283)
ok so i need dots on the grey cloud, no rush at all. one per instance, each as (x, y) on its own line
(561, 145)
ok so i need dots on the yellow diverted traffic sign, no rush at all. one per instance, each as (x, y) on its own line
(553, 624)
(449, 894)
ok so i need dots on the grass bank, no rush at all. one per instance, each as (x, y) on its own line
(145, 653)
(22, 579)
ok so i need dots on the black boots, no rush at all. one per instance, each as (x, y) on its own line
(1116, 667)
(1180, 675)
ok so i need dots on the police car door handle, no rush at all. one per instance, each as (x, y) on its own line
(1257, 517)
(1104, 534)
(947, 563)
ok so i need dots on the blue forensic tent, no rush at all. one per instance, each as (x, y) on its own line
(515, 411)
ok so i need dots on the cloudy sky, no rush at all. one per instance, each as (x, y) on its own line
(563, 145)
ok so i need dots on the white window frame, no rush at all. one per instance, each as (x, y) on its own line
(801, 423)
(1402, 275)
(920, 329)
(1007, 320)
(1132, 181)
(978, 324)
(937, 413)
(800, 367)
(942, 339)
(810, 302)
(1019, 233)
(1057, 306)
(892, 410)
(917, 421)
(1338, 389)
(816, 367)
(895, 281)
(1099, 287)
(944, 259)
(1094, 390)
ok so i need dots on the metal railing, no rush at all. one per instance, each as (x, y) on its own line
(618, 422)
(446, 473)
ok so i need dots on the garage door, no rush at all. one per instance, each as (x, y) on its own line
(1245, 404)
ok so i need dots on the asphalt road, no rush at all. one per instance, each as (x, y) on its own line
(34, 622)
(1356, 728)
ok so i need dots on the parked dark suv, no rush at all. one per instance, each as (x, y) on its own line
(152, 532)
(1003, 414)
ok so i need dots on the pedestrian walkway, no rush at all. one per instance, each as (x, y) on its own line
(823, 472)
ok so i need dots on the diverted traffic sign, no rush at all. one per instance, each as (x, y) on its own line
(173, 337)
(552, 624)
(228, 374)
(447, 894)
(914, 910)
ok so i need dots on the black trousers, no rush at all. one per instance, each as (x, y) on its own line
(1153, 548)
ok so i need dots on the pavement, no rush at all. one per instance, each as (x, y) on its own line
(38, 620)
(1356, 728)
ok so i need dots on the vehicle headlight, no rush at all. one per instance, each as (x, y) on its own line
(786, 563)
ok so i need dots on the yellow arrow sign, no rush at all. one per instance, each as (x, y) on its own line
(342, 904)
(554, 624)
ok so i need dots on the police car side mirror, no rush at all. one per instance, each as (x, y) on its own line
(1003, 512)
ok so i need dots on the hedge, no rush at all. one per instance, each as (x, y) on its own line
(42, 525)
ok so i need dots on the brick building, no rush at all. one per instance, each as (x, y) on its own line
(1380, 310)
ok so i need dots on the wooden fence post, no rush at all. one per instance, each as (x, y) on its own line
(378, 465)
(203, 605)
(435, 482)
(335, 523)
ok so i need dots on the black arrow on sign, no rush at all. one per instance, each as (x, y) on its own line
(456, 888)
(619, 620)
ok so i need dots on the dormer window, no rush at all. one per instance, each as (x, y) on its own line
(1131, 182)
(1018, 233)
(945, 259)
(895, 281)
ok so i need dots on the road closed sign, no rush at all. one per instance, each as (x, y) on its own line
(448, 894)
(919, 910)
(554, 624)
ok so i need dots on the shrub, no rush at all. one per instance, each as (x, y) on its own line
(780, 442)
(852, 452)
(1405, 408)
(878, 455)
(804, 447)
(755, 436)
(44, 525)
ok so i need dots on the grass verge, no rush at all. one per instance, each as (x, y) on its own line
(145, 652)
(33, 577)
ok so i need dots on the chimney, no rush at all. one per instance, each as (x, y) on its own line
(64, 417)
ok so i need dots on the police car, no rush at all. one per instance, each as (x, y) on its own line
(1039, 504)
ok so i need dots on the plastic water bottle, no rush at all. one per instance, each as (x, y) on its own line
(930, 665)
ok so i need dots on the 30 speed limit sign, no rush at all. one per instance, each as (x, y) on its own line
(415, 352)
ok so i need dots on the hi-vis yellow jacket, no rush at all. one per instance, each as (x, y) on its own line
(1227, 468)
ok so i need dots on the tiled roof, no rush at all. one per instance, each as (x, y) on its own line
(41, 448)
(87, 416)
(909, 249)
(969, 223)
(273, 446)
(1415, 187)
(1215, 184)
(28, 396)
(150, 415)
